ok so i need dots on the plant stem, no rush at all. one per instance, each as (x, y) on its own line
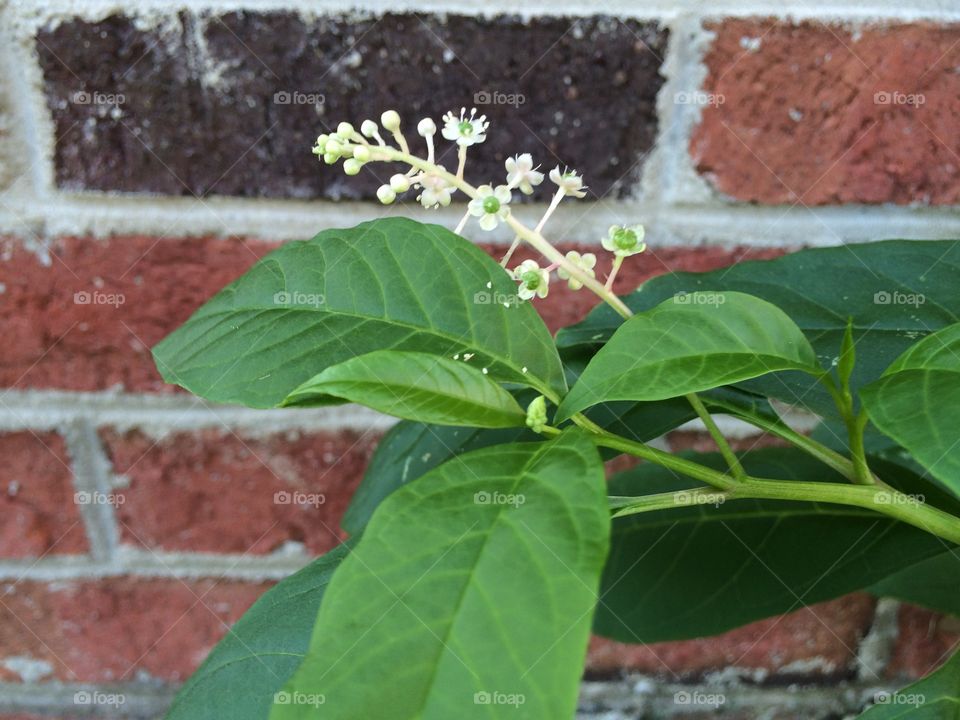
(641, 450)
(828, 457)
(886, 501)
(617, 262)
(855, 425)
(722, 445)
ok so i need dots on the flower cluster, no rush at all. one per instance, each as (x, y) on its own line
(488, 204)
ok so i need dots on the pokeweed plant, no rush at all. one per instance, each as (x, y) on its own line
(486, 543)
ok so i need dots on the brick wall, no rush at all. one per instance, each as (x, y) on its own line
(149, 155)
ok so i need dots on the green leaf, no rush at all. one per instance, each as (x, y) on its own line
(917, 403)
(391, 284)
(879, 284)
(415, 386)
(242, 674)
(931, 583)
(708, 340)
(479, 579)
(702, 570)
(935, 697)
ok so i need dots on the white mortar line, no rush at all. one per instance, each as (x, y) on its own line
(877, 646)
(141, 700)
(92, 472)
(158, 415)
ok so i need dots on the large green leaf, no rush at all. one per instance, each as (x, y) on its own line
(879, 285)
(475, 584)
(917, 403)
(415, 386)
(936, 697)
(701, 570)
(391, 284)
(932, 583)
(709, 340)
(242, 674)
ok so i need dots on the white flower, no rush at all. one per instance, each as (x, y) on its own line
(465, 130)
(435, 190)
(521, 173)
(569, 182)
(585, 263)
(624, 241)
(534, 280)
(490, 205)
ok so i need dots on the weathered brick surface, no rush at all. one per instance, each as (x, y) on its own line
(53, 341)
(37, 506)
(218, 104)
(118, 629)
(925, 642)
(819, 641)
(823, 114)
(214, 491)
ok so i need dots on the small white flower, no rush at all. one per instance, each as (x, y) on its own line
(490, 205)
(569, 182)
(465, 130)
(521, 173)
(534, 280)
(624, 241)
(435, 191)
(426, 128)
(585, 262)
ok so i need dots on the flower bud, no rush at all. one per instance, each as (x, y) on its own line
(333, 147)
(330, 158)
(361, 153)
(386, 195)
(427, 128)
(351, 166)
(390, 120)
(345, 130)
(368, 128)
(400, 183)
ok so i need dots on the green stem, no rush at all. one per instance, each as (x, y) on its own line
(884, 500)
(855, 425)
(722, 445)
(641, 450)
(828, 457)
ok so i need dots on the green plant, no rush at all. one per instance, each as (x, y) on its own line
(486, 542)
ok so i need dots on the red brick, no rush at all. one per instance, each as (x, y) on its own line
(213, 491)
(799, 122)
(118, 628)
(818, 641)
(684, 440)
(37, 497)
(926, 640)
(53, 342)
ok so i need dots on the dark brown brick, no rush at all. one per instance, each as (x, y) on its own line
(115, 629)
(824, 114)
(37, 497)
(191, 116)
(214, 491)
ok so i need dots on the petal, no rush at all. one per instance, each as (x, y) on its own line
(488, 221)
